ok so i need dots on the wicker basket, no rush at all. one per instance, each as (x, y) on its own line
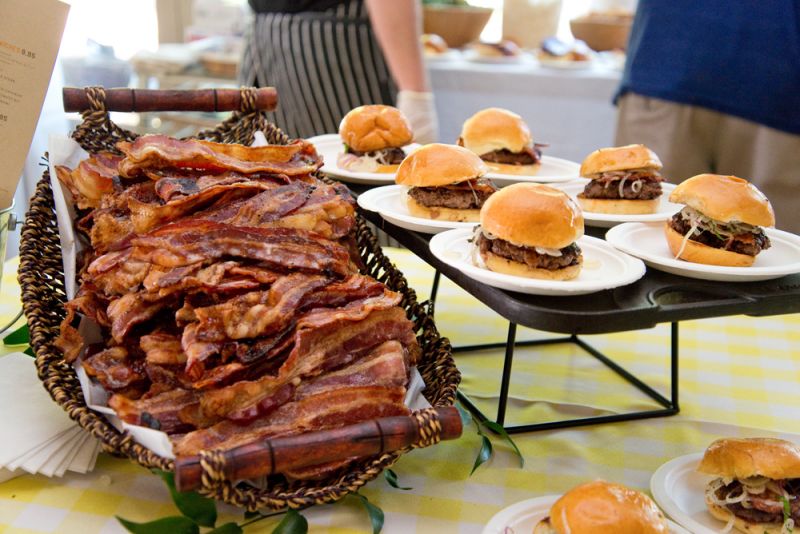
(42, 280)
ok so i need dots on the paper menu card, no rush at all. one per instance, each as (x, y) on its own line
(30, 34)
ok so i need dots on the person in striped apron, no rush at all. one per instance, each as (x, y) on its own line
(326, 57)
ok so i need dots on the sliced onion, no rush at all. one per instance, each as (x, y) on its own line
(788, 526)
(686, 238)
(728, 525)
(622, 186)
(556, 253)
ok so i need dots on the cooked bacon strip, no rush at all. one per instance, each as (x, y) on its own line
(117, 371)
(188, 242)
(133, 309)
(162, 349)
(162, 412)
(325, 209)
(330, 409)
(91, 179)
(159, 151)
(219, 191)
(324, 340)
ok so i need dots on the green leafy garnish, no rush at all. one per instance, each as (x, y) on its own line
(20, 336)
(484, 454)
(199, 509)
(375, 514)
(787, 508)
(391, 478)
(292, 523)
(166, 525)
(498, 429)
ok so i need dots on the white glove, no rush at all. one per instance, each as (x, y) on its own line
(421, 113)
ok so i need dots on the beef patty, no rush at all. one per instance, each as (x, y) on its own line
(530, 155)
(746, 243)
(606, 186)
(754, 514)
(386, 156)
(470, 194)
(570, 255)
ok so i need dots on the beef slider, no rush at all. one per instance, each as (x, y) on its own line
(530, 230)
(502, 139)
(721, 223)
(625, 180)
(445, 183)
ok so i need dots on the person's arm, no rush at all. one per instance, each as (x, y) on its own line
(398, 26)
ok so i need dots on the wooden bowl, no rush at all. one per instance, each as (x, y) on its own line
(602, 34)
(458, 25)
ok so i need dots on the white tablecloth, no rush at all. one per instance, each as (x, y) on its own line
(571, 110)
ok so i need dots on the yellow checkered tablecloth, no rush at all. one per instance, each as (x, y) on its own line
(738, 374)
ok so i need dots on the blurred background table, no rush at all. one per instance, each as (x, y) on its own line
(739, 374)
(572, 110)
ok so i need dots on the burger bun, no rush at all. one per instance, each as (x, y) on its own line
(618, 206)
(532, 215)
(495, 129)
(515, 170)
(375, 127)
(749, 457)
(441, 214)
(503, 265)
(725, 199)
(438, 164)
(619, 158)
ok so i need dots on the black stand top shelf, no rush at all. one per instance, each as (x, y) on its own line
(658, 297)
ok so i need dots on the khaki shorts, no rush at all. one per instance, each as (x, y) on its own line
(692, 140)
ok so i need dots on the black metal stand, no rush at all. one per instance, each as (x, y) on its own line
(670, 406)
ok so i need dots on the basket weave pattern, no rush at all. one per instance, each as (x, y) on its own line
(41, 278)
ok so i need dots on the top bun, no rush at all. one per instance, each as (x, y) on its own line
(495, 129)
(748, 457)
(725, 199)
(375, 127)
(437, 164)
(504, 48)
(433, 44)
(619, 158)
(532, 215)
(605, 508)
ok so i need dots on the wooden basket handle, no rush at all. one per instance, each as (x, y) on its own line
(125, 99)
(276, 455)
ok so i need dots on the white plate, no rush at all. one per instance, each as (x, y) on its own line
(550, 170)
(524, 57)
(647, 242)
(452, 54)
(520, 518)
(680, 491)
(390, 202)
(604, 267)
(330, 146)
(666, 209)
(563, 64)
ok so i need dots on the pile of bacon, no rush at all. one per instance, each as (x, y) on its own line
(226, 285)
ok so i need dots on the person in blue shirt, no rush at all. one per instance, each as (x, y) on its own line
(714, 86)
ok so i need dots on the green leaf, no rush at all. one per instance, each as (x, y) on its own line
(20, 336)
(391, 478)
(787, 508)
(167, 525)
(29, 352)
(498, 429)
(227, 528)
(199, 509)
(466, 417)
(375, 514)
(484, 454)
(292, 523)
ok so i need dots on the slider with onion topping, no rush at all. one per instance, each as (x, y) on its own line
(445, 183)
(373, 138)
(721, 223)
(530, 230)
(758, 484)
(624, 180)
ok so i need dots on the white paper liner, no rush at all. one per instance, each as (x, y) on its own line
(66, 151)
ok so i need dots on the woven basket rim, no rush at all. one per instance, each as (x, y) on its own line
(41, 279)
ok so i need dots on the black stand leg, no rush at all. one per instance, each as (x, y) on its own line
(435, 287)
(670, 406)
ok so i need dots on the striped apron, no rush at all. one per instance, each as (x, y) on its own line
(323, 64)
